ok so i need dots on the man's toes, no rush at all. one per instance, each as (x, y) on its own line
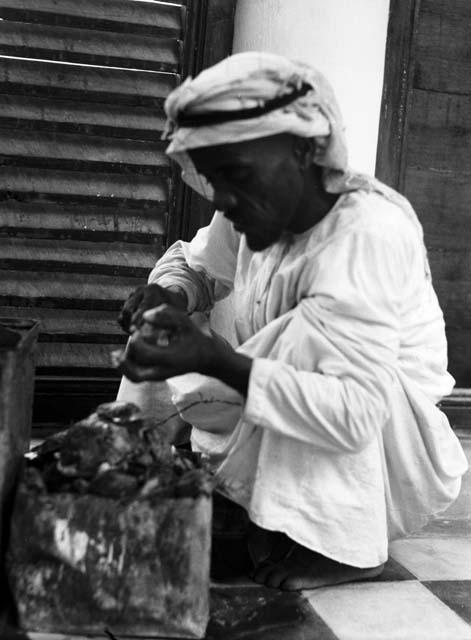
(297, 583)
(276, 576)
(269, 574)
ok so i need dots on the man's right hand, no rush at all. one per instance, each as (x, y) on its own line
(148, 297)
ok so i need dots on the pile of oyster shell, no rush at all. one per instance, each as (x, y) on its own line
(115, 453)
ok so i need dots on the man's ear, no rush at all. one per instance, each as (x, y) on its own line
(304, 150)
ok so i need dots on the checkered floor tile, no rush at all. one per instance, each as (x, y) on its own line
(396, 606)
(400, 609)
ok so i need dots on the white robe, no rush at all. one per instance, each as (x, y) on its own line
(339, 443)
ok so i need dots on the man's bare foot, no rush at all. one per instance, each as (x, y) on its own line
(301, 568)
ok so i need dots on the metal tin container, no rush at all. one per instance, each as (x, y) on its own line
(17, 345)
(83, 564)
(111, 529)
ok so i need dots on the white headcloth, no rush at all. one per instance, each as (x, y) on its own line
(248, 80)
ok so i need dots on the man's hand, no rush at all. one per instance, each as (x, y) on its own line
(169, 344)
(148, 297)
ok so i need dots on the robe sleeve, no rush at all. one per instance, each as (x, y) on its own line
(203, 268)
(327, 382)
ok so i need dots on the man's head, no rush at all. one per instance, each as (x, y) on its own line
(256, 103)
(250, 96)
(260, 185)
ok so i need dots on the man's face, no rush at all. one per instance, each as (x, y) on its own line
(257, 185)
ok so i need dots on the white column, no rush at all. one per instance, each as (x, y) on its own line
(345, 39)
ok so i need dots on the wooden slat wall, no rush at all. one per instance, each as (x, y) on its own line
(397, 91)
(85, 185)
(210, 24)
(438, 163)
(155, 18)
(424, 148)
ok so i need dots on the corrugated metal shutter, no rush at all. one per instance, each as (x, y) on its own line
(84, 183)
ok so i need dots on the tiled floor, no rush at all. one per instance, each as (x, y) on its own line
(424, 594)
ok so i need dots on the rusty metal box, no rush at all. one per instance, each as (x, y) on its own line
(83, 564)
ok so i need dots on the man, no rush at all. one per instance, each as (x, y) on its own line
(322, 424)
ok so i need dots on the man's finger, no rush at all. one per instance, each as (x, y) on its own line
(145, 354)
(166, 316)
(124, 317)
(136, 320)
(129, 307)
(123, 321)
(161, 316)
(134, 300)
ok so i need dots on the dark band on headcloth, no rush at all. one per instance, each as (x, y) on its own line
(219, 117)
